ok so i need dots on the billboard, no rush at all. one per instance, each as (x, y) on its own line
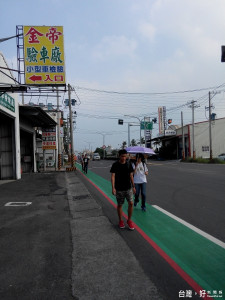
(44, 62)
(162, 119)
(49, 138)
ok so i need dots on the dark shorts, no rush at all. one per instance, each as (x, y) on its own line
(121, 195)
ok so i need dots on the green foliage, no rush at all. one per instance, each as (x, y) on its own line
(100, 151)
(133, 142)
(124, 144)
(203, 160)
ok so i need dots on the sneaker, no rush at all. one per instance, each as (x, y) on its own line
(130, 225)
(135, 203)
(121, 224)
(143, 208)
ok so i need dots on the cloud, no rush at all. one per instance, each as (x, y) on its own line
(114, 46)
(147, 30)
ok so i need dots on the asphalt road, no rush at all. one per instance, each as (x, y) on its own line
(192, 192)
(35, 240)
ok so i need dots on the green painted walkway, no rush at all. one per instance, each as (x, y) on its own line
(200, 258)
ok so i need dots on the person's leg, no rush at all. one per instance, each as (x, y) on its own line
(136, 198)
(143, 194)
(120, 211)
(120, 200)
(130, 210)
(129, 197)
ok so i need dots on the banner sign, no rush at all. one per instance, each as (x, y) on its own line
(7, 101)
(49, 138)
(162, 119)
(44, 55)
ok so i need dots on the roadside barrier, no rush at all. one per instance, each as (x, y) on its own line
(69, 169)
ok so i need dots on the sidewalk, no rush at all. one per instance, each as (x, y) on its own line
(63, 239)
(103, 265)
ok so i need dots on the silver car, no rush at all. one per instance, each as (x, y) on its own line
(96, 156)
(221, 156)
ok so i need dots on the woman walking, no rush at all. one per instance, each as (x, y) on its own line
(140, 180)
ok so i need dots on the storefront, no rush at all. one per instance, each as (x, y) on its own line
(9, 128)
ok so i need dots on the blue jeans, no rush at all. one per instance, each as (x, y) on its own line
(140, 187)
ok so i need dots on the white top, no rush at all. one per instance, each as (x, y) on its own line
(139, 175)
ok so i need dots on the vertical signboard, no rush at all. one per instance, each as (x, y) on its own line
(49, 138)
(162, 119)
(44, 55)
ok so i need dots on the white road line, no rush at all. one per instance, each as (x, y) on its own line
(199, 231)
(18, 203)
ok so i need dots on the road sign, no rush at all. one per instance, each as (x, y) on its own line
(146, 125)
(44, 55)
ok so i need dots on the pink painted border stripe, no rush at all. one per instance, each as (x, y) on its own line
(169, 260)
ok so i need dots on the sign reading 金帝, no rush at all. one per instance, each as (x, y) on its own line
(44, 55)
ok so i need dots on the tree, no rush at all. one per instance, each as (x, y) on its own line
(133, 142)
(124, 144)
(100, 151)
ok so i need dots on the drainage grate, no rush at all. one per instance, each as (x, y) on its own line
(18, 203)
(81, 197)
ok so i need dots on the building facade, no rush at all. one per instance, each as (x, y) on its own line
(10, 167)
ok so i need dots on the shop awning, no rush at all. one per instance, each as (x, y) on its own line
(36, 116)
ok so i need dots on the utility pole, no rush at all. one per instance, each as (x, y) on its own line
(71, 126)
(183, 144)
(128, 135)
(193, 128)
(210, 129)
(193, 106)
(58, 130)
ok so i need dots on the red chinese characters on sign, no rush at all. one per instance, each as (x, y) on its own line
(48, 78)
(53, 35)
(33, 35)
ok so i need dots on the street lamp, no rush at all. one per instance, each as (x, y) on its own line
(103, 135)
(139, 122)
(130, 124)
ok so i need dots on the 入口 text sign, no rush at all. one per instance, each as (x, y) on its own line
(44, 55)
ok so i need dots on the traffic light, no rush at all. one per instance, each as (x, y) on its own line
(120, 122)
(169, 121)
(73, 101)
(222, 53)
(154, 120)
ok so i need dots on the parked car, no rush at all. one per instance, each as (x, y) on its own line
(96, 156)
(221, 156)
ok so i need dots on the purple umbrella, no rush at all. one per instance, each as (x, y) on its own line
(138, 149)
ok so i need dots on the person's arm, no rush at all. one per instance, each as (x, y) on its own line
(132, 182)
(146, 169)
(113, 184)
(134, 165)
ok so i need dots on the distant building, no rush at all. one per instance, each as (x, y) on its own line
(172, 139)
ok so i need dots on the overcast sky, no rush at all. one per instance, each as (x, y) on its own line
(126, 57)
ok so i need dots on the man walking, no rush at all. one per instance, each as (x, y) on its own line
(85, 163)
(123, 186)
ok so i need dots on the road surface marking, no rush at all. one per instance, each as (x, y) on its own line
(199, 231)
(18, 203)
